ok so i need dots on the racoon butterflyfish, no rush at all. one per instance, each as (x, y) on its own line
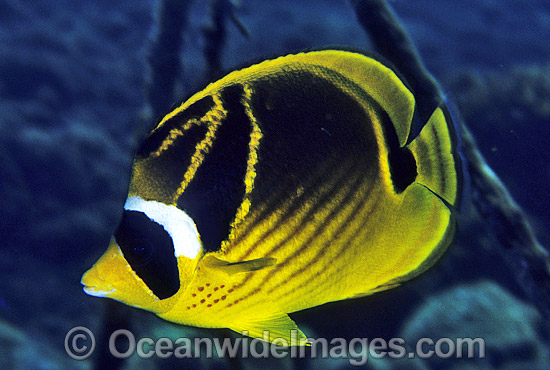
(282, 186)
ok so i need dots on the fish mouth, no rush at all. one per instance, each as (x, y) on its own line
(94, 285)
(97, 292)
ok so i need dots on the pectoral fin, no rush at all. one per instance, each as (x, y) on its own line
(241, 266)
(278, 329)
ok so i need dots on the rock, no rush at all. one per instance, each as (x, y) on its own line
(509, 327)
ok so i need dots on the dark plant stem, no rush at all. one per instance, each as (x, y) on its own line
(116, 316)
(392, 41)
(214, 36)
(164, 55)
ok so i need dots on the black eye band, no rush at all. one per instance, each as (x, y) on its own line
(149, 250)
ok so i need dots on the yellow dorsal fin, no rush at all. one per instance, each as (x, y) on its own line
(278, 329)
(241, 266)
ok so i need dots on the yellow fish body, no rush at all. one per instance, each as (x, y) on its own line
(282, 186)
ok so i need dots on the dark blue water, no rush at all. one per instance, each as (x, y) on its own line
(72, 82)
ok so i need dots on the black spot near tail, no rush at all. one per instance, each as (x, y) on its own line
(402, 168)
(401, 160)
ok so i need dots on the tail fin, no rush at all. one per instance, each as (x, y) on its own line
(437, 159)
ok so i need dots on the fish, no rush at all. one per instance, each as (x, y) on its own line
(284, 185)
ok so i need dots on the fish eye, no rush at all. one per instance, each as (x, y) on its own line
(140, 252)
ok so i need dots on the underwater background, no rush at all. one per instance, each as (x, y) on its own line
(73, 83)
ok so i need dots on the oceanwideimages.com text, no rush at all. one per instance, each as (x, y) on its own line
(80, 344)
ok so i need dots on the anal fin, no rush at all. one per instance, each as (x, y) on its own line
(278, 329)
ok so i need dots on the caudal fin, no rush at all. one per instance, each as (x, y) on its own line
(437, 160)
